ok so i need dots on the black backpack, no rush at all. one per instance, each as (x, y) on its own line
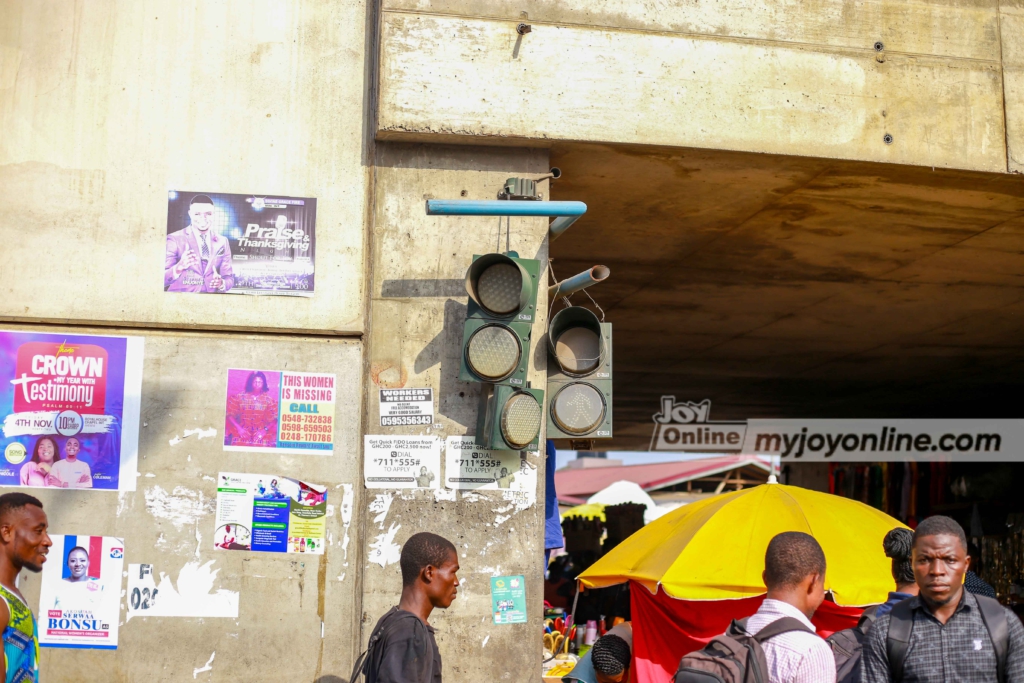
(901, 625)
(370, 658)
(847, 645)
(735, 657)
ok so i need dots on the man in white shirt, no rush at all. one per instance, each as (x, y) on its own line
(198, 258)
(72, 472)
(794, 572)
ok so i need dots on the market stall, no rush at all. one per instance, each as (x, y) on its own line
(698, 567)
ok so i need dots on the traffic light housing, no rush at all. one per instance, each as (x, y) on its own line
(502, 306)
(579, 376)
(509, 418)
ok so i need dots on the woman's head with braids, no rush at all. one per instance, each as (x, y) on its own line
(898, 544)
(610, 656)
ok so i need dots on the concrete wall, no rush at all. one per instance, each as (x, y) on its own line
(418, 306)
(169, 522)
(784, 77)
(105, 106)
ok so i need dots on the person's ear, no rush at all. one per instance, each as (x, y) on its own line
(427, 573)
(6, 533)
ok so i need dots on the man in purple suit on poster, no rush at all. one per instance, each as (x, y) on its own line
(198, 259)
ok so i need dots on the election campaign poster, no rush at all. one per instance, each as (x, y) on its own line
(280, 412)
(270, 513)
(401, 462)
(468, 466)
(80, 595)
(70, 405)
(220, 243)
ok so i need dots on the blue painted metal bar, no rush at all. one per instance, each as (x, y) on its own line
(500, 207)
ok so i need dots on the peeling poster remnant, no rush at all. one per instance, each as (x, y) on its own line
(384, 550)
(193, 596)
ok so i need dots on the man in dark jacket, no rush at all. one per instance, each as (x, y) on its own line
(402, 647)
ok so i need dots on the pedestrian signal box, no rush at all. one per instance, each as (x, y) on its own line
(499, 319)
(509, 418)
(579, 376)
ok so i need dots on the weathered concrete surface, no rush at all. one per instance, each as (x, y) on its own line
(170, 520)
(106, 106)
(1012, 47)
(782, 91)
(790, 287)
(418, 305)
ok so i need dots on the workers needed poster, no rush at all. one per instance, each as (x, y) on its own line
(221, 243)
(70, 407)
(80, 596)
(280, 412)
(270, 513)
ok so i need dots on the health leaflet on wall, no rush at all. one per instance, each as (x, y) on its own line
(270, 513)
(468, 466)
(508, 599)
(401, 462)
(221, 243)
(80, 596)
(269, 411)
(400, 407)
(70, 405)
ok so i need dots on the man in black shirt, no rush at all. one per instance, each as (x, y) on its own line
(402, 648)
(946, 633)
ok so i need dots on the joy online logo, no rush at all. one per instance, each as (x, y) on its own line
(684, 426)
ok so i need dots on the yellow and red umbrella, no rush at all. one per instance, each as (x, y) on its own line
(714, 549)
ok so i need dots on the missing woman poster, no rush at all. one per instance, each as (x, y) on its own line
(270, 411)
(80, 596)
(220, 243)
(70, 406)
(270, 513)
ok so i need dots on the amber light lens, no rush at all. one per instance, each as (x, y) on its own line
(493, 352)
(520, 420)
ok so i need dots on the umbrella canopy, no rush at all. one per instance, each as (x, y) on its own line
(714, 549)
(586, 510)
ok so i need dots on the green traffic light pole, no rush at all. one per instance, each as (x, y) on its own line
(564, 213)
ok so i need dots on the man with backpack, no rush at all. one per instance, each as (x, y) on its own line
(945, 633)
(778, 643)
(847, 645)
(402, 648)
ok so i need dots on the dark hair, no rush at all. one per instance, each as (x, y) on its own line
(200, 199)
(897, 545)
(9, 502)
(422, 550)
(254, 375)
(53, 442)
(940, 525)
(610, 655)
(790, 558)
(78, 547)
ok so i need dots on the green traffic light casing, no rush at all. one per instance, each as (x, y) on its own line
(489, 418)
(562, 376)
(518, 321)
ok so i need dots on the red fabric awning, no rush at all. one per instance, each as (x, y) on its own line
(665, 629)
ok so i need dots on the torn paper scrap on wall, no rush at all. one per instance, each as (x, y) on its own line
(192, 596)
(181, 507)
(380, 505)
(384, 550)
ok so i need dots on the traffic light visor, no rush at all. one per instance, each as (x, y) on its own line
(578, 408)
(520, 420)
(498, 284)
(575, 340)
(493, 352)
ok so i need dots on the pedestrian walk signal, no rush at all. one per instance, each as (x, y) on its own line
(502, 305)
(509, 418)
(579, 376)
